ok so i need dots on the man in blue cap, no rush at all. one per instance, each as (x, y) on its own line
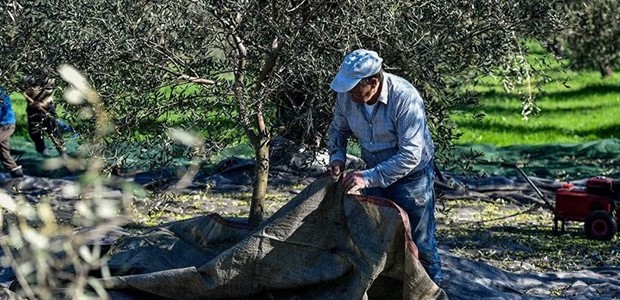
(386, 113)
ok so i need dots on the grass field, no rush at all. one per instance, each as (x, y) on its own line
(586, 109)
(19, 106)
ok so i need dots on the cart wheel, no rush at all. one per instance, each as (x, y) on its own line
(600, 225)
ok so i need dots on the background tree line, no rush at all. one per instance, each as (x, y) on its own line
(252, 70)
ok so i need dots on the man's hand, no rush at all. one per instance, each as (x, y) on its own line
(335, 167)
(353, 182)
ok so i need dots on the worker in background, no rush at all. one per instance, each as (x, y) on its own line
(7, 127)
(41, 113)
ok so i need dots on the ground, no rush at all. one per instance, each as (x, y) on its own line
(474, 235)
(502, 234)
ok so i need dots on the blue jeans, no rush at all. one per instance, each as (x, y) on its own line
(415, 194)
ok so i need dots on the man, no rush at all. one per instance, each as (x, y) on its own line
(7, 127)
(41, 113)
(386, 114)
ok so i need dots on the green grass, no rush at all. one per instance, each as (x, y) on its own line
(586, 109)
(19, 107)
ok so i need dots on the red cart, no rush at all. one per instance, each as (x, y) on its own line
(597, 205)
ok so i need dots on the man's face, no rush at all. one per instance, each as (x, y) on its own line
(364, 90)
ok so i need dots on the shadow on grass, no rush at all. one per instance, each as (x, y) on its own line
(605, 132)
(557, 73)
(587, 91)
(502, 110)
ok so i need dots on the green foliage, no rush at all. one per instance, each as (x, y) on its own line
(39, 242)
(274, 58)
(19, 107)
(593, 35)
(588, 35)
(265, 64)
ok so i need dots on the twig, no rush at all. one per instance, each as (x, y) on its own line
(20, 277)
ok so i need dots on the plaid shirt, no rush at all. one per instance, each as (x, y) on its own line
(395, 141)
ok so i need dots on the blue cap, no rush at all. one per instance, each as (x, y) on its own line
(356, 65)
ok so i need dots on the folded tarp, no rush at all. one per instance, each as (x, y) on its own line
(323, 244)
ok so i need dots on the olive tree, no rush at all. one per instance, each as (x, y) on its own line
(255, 69)
(588, 35)
(594, 35)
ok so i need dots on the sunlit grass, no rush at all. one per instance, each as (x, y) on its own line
(19, 107)
(573, 107)
(586, 110)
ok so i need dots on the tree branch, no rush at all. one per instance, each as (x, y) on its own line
(197, 79)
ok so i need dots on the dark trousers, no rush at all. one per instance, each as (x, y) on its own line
(42, 124)
(415, 194)
(5, 152)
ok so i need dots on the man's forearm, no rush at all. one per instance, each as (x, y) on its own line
(393, 169)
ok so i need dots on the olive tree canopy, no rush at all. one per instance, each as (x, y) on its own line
(252, 70)
(594, 35)
(589, 34)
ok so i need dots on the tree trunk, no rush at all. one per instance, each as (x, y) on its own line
(557, 47)
(606, 70)
(257, 209)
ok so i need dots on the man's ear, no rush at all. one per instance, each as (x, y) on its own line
(375, 82)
